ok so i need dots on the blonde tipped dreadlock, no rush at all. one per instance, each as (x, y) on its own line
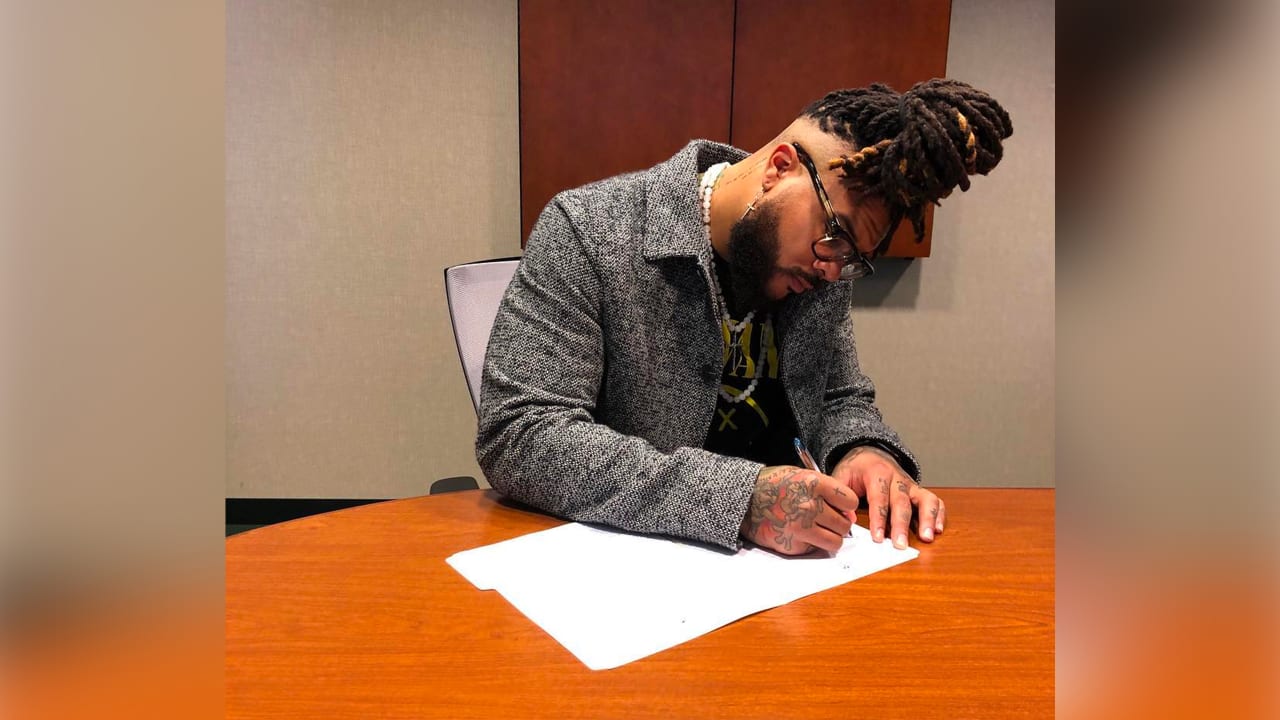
(916, 147)
(851, 164)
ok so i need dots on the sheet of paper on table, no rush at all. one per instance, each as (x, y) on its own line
(611, 598)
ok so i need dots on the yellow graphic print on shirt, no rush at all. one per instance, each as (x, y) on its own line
(740, 362)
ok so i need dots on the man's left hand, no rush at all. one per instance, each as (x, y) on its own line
(892, 497)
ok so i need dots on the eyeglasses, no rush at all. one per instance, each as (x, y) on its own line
(838, 245)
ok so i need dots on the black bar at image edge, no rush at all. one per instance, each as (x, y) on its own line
(268, 511)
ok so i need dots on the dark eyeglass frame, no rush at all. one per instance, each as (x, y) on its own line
(853, 264)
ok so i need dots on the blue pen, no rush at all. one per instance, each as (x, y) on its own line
(805, 458)
(808, 462)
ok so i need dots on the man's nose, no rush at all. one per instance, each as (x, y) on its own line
(829, 270)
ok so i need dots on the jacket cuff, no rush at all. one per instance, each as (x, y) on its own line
(734, 484)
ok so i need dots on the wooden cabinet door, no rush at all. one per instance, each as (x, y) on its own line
(617, 85)
(787, 55)
(609, 86)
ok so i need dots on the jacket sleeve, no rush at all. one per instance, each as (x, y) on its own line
(850, 415)
(538, 441)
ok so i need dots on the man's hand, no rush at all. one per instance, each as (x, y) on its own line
(794, 510)
(891, 495)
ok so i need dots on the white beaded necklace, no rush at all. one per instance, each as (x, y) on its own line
(705, 188)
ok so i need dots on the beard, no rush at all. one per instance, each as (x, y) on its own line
(753, 257)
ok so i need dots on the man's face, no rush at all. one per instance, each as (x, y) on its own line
(753, 257)
(771, 249)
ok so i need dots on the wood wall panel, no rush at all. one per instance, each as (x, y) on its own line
(789, 54)
(609, 87)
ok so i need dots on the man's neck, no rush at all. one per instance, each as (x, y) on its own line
(734, 191)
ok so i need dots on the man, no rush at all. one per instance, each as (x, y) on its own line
(670, 334)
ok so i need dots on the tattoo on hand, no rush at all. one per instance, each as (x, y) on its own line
(784, 497)
(902, 487)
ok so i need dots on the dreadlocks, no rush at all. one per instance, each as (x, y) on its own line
(916, 147)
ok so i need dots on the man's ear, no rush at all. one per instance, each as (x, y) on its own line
(781, 162)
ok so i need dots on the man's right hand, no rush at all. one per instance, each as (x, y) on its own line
(794, 510)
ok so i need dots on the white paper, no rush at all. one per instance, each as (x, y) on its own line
(611, 598)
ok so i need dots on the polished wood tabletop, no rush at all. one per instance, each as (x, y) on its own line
(355, 614)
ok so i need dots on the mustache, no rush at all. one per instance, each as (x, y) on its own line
(817, 281)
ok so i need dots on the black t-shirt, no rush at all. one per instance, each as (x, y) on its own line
(761, 427)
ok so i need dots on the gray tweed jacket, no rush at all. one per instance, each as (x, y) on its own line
(601, 374)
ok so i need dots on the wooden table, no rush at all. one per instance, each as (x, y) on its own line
(355, 614)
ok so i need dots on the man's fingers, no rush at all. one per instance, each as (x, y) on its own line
(834, 521)
(878, 507)
(852, 513)
(838, 495)
(942, 517)
(927, 515)
(788, 541)
(822, 538)
(900, 512)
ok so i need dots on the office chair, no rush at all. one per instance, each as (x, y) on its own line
(474, 291)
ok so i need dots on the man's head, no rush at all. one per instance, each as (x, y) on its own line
(834, 185)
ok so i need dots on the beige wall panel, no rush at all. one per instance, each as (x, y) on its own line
(961, 345)
(369, 145)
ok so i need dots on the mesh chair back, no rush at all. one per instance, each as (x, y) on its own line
(474, 291)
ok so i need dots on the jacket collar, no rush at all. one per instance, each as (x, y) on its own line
(673, 219)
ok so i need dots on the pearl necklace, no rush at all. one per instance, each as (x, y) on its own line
(705, 188)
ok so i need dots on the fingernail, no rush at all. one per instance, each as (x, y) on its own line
(900, 542)
(927, 533)
(879, 535)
